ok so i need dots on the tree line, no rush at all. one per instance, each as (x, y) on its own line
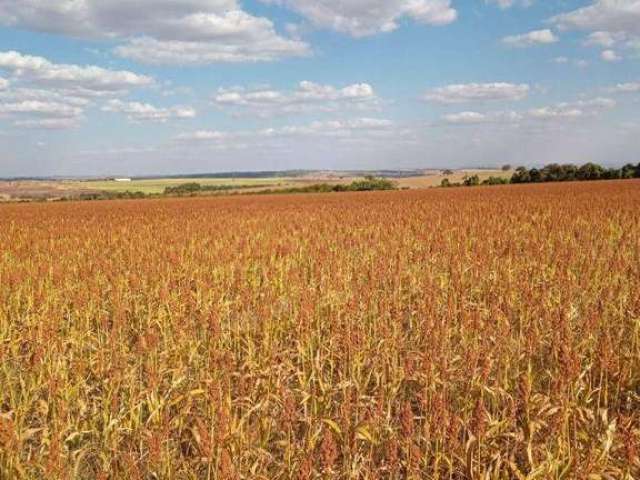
(554, 172)
(369, 183)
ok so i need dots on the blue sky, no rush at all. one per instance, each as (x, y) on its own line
(130, 87)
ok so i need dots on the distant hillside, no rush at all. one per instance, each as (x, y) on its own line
(239, 175)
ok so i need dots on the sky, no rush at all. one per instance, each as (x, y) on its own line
(154, 87)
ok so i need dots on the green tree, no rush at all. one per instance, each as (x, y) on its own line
(521, 175)
(590, 171)
(471, 181)
(535, 175)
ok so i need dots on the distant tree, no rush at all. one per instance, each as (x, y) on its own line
(496, 181)
(521, 175)
(558, 173)
(447, 172)
(612, 174)
(568, 172)
(506, 168)
(183, 189)
(471, 181)
(551, 173)
(445, 183)
(628, 171)
(535, 175)
(371, 183)
(590, 171)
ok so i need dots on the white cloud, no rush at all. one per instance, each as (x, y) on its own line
(362, 18)
(160, 31)
(40, 108)
(622, 16)
(308, 96)
(472, 118)
(504, 4)
(612, 23)
(153, 51)
(47, 124)
(49, 95)
(553, 112)
(364, 127)
(604, 39)
(4, 83)
(138, 112)
(560, 111)
(536, 37)
(572, 110)
(340, 127)
(610, 56)
(203, 135)
(466, 117)
(471, 92)
(89, 80)
(580, 63)
(632, 87)
(19, 94)
(599, 103)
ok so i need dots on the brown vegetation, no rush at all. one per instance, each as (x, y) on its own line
(448, 333)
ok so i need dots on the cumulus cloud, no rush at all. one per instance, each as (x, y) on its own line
(363, 18)
(504, 4)
(552, 112)
(140, 112)
(622, 16)
(40, 108)
(160, 31)
(570, 110)
(4, 83)
(19, 94)
(604, 39)
(576, 62)
(632, 87)
(474, 118)
(560, 111)
(50, 95)
(612, 23)
(90, 80)
(153, 51)
(536, 37)
(610, 56)
(472, 92)
(47, 124)
(364, 127)
(308, 96)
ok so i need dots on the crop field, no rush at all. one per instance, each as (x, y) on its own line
(70, 189)
(485, 333)
(158, 185)
(436, 177)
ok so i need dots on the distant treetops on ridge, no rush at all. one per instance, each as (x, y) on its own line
(554, 172)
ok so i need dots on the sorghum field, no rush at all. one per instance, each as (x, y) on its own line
(473, 333)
